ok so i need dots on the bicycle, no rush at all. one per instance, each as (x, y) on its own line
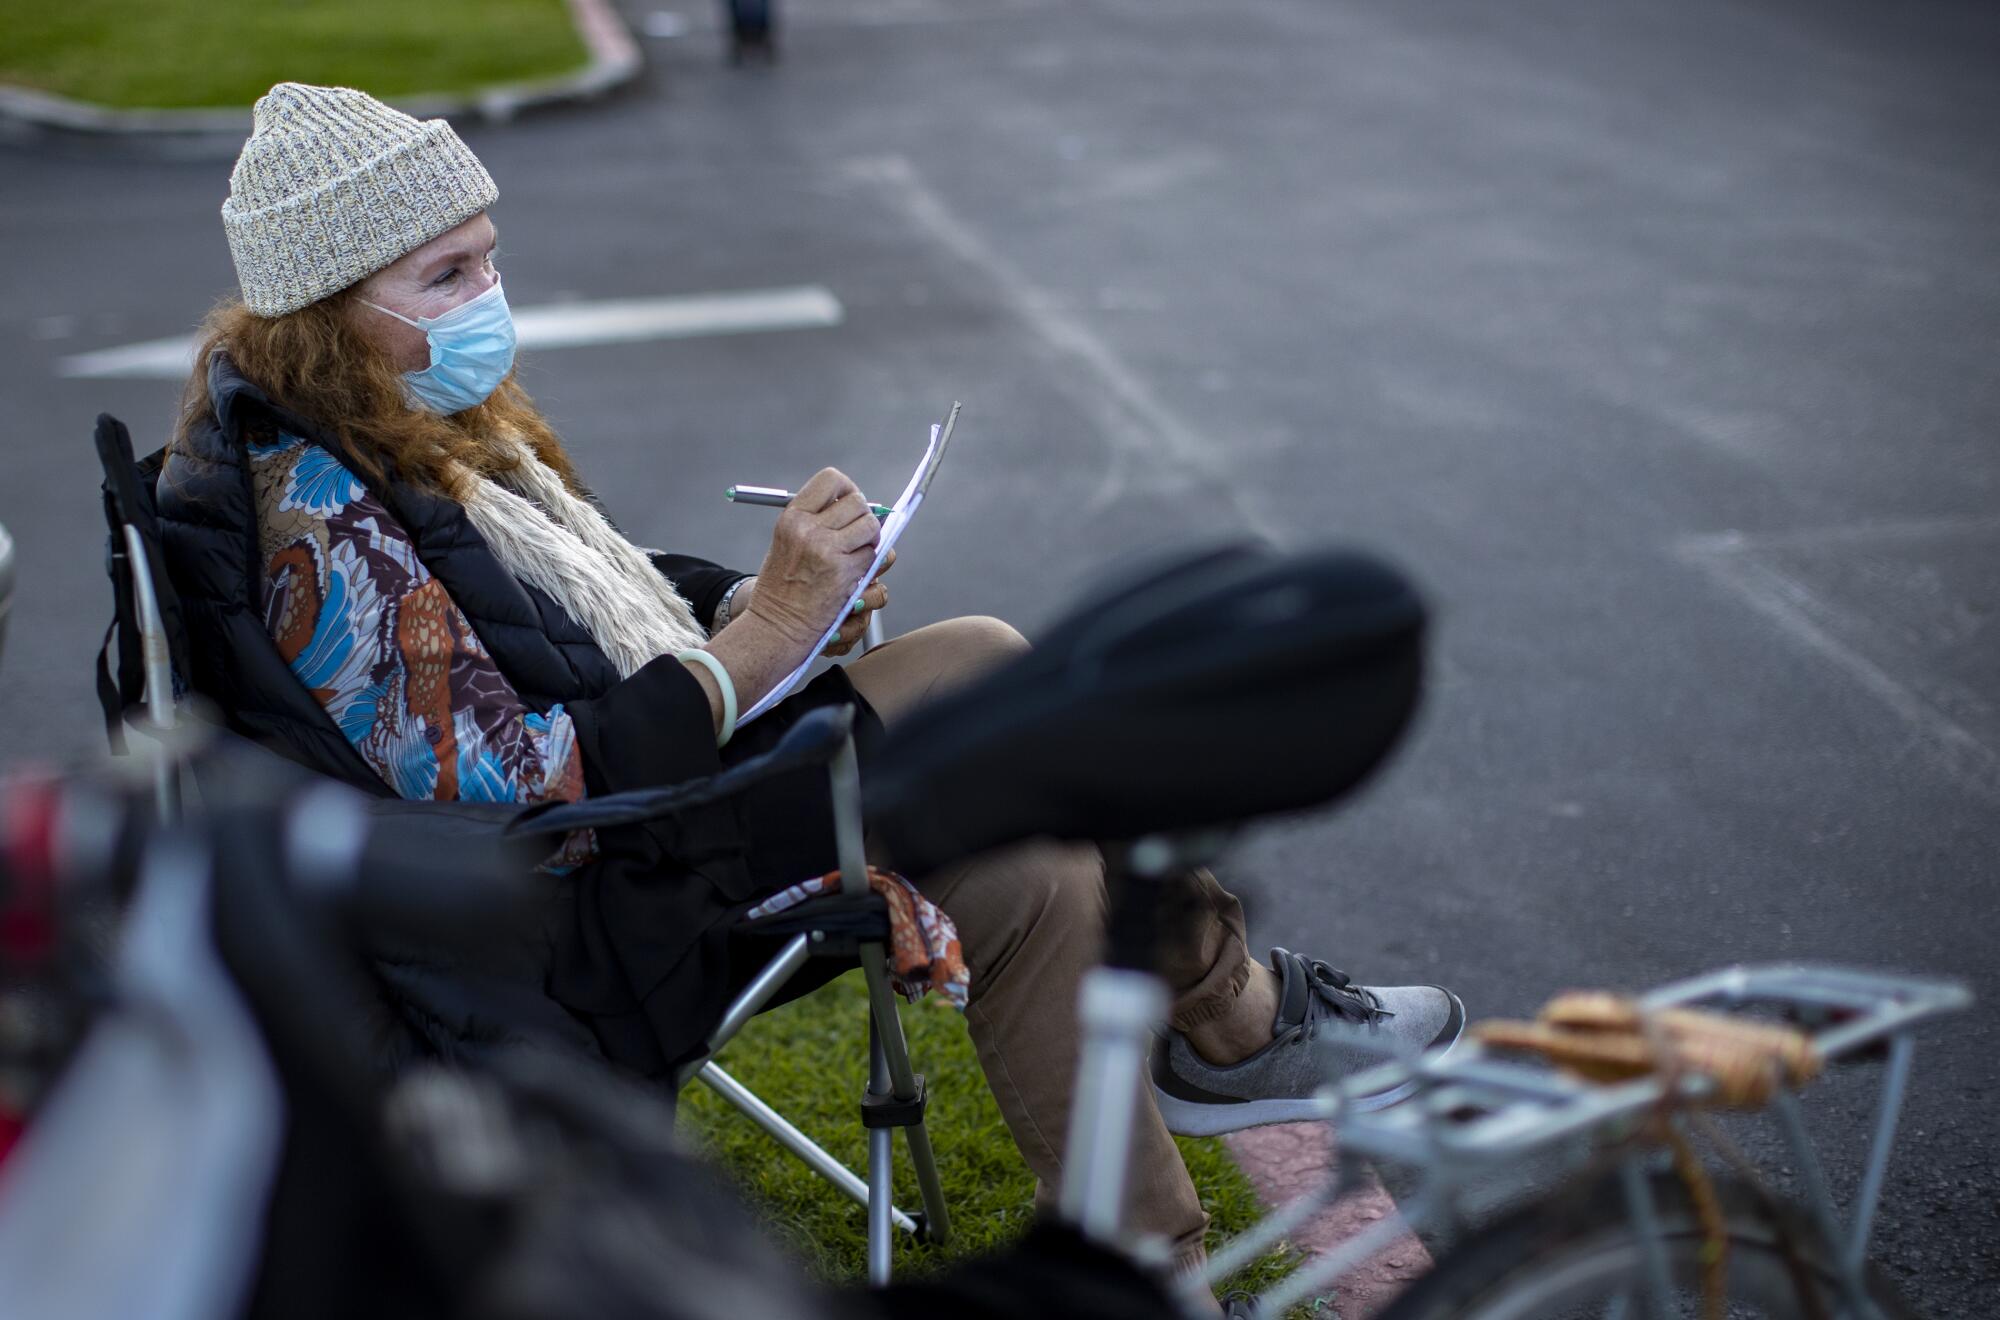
(1318, 682)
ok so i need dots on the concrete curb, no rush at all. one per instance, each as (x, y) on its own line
(1286, 1160)
(614, 60)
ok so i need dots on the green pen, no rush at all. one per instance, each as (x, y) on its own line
(774, 497)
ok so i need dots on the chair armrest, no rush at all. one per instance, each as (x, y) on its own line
(847, 918)
(813, 740)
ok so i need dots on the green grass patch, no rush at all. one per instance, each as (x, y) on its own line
(142, 53)
(809, 1059)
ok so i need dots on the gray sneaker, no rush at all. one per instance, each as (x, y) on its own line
(1327, 1027)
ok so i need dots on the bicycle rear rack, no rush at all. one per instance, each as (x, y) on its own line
(1474, 1110)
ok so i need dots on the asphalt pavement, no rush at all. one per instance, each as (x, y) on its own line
(1658, 342)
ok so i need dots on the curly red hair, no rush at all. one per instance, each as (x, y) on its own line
(315, 362)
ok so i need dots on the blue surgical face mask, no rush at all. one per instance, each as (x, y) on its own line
(472, 350)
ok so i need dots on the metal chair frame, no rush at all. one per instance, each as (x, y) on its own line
(161, 714)
(895, 1096)
(6, 582)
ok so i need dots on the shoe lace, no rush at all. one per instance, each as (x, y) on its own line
(1334, 992)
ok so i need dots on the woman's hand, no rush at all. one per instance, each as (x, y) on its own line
(824, 541)
(856, 627)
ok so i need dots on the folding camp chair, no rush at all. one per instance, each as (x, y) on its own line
(855, 927)
(140, 683)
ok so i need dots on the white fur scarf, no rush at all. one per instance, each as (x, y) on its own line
(549, 537)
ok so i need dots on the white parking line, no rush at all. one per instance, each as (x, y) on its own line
(1151, 446)
(564, 325)
(1809, 619)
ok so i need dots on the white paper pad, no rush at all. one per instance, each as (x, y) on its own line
(900, 513)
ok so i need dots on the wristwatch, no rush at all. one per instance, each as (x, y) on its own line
(722, 606)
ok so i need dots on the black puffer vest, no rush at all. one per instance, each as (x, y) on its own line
(209, 524)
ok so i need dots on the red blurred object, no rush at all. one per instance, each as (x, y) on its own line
(11, 1127)
(27, 863)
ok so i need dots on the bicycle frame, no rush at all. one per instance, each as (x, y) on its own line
(161, 1140)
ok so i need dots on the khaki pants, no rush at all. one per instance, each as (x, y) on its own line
(1030, 921)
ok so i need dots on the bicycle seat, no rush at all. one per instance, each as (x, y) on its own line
(1224, 685)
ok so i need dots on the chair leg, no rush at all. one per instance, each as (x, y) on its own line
(798, 1143)
(902, 1084)
(881, 1165)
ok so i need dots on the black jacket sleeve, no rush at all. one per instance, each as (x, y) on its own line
(649, 729)
(699, 580)
(652, 729)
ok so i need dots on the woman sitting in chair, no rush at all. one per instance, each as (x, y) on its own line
(393, 574)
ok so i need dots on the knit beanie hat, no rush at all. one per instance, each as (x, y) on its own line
(333, 185)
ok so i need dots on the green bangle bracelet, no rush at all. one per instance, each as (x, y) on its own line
(723, 681)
